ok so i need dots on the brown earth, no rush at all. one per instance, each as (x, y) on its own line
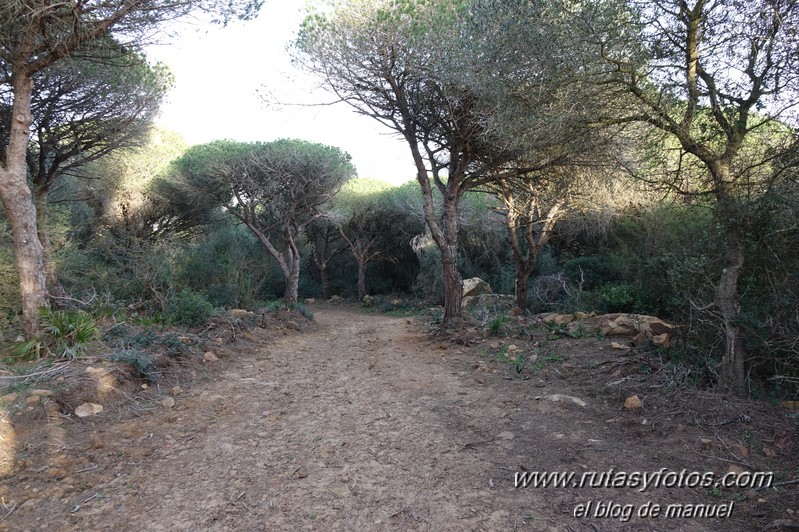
(368, 422)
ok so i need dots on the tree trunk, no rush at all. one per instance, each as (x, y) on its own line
(520, 290)
(54, 286)
(453, 282)
(361, 277)
(289, 263)
(292, 283)
(20, 209)
(325, 281)
(446, 240)
(293, 273)
(733, 374)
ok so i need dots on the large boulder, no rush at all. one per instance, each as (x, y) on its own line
(475, 286)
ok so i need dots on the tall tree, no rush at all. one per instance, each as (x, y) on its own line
(532, 208)
(325, 241)
(364, 219)
(35, 36)
(275, 189)
(710, 75)
(419, 68)
(73, 127)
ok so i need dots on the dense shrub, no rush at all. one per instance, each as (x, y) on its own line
(188, 308)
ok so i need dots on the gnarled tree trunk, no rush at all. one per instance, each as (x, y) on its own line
(732, 376)
(19, 206)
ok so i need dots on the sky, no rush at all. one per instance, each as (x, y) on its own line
(221, 73)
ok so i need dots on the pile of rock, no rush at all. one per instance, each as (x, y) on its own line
(478, 294)
(640, 328)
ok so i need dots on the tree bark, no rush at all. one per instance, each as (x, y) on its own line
(361, 277)
(520, 290)
(292, 283)
(19, 206)
(289, 263)
(446, 239)
(325, 281)
(54, 287)
(732, 376)
(453, 282)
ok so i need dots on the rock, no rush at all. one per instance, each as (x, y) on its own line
(559, 397)
(734, 468)
(706, 442)
(88, 409)
(475, 287)
(176, 390)
(240, 313)
(740, 450)
(553, 318)
(293, 325)
(32, 400)
(632, 402)
(618, 346)
(168, 402)
(209, 356)
(506, 435)
(310, 301)
(768, 451)
(335, 298)
(396, 302)
(42, 393)
(8, 398)
(643, 329)
(661, 340)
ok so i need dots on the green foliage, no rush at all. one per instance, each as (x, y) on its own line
(32, 349)
(69, 331)
(591, 271)
(228, 265)
(67, 334)
(277, 306)
(141, 363)
(495, 324)
(188, 309)
(619, 297)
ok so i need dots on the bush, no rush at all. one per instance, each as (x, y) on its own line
(590, 272)
(188, 308)
(141, 363)
(66, 334)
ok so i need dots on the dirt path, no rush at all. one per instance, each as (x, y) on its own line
(360, 423)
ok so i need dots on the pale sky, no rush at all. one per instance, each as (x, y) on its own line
(219, 73)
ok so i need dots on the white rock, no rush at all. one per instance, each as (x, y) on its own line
(88, 409)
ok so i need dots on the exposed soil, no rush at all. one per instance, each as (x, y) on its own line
(365, 421)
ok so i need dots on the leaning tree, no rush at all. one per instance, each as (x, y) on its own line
(71, 126)
(275, 189)
(712, 76)
(35, 35)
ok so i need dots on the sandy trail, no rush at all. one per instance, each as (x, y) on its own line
(359, 423)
